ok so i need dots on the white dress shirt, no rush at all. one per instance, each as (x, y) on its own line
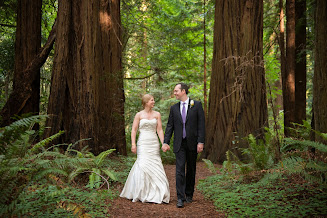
(186, 105)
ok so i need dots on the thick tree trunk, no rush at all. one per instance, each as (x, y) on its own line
(320, 69)
(289, 76)
(23, 91)
(237, 99)
(27, 45)
(87, 98)
(301, 63)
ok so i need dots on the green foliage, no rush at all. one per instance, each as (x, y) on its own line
(296, 186)
(279, 198)
(210, 166)
(48, 200)
(94, 167)
(260, 151)
(299, 160)
(260, 155)
(27, 170)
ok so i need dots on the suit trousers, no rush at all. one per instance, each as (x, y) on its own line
(185, 183)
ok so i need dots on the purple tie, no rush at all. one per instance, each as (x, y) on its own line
(184, 119)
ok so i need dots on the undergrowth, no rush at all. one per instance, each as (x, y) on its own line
(295, 186)
(39, 180)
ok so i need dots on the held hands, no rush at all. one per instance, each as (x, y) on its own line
(165, 147)
(133, 149)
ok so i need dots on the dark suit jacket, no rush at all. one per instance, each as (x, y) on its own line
(195, 126)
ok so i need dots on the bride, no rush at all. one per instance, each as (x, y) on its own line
(147, 180)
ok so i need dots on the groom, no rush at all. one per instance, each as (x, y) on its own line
(186, 120)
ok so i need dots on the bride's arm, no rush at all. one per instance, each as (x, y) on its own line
(134, 131)
(160, 133)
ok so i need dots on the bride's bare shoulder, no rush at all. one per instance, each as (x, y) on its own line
(157, 114)
(139, 114)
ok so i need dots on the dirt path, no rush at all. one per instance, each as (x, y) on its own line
(200, 207)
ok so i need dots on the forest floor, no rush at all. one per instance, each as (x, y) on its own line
(200, 207)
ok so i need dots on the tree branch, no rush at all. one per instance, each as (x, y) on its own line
(136, 78)
(7, 25)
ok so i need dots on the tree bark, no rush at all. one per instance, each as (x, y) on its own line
(300, 62)
(237, 99)
(282, 48)
(320, 69)
(86, 97)
(289, 77)
(21, 94)
(27, 46)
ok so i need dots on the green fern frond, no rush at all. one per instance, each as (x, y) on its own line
(291, 144)
(109, 173)
(94, 178)
(311, 170)
(47, 172)
(99, 159)
(270, 177)
(210, 166)
(75, 173)
(46, 141)
(18, 127)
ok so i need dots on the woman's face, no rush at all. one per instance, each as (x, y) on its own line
(150, 103)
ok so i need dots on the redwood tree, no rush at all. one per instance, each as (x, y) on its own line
(27, 46)
(300, 61)
(237, 100)
(87, 98)
(320, 68)
(288, 77)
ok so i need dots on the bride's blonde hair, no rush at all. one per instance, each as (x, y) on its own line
(145, 99)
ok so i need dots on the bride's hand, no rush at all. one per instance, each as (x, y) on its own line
(165, 148)
(133, 149)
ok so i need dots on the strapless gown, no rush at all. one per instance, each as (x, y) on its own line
(147, 180)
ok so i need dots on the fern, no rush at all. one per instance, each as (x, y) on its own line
(210, 166)
(260, 151)
(99, 159)
(311, 170)
(22, 164)
(17, 130)
(45, 142)
(303, 145)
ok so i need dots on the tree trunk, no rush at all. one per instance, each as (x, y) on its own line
(289, 76)
(320, 69)
(27, 46)
(21, 94)
(301, 63)
(237, 99)
(86, 97)
(282, 48)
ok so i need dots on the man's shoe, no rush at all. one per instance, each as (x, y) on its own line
(180, 203)
(189, 199)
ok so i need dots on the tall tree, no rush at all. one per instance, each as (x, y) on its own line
(27, 46)
(282, 41)
(87, 98)
(237, 100)
(288, 78)
(320, 68)
(300, 62)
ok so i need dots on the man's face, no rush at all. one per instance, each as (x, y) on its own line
(178, 92)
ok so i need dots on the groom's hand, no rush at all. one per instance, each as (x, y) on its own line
(200, 147)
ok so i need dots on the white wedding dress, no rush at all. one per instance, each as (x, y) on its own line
(147, 180)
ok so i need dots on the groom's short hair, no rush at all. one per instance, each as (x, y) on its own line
(183, 86)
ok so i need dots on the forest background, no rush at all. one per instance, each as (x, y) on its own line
(263, 100)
